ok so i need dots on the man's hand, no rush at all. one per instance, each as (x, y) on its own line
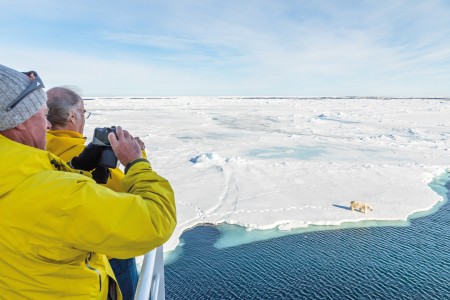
(125, 146)
(140, 142)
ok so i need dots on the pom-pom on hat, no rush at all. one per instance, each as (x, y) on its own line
(12, 84)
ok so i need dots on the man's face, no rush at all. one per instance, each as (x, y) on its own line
(79, 120)
(37, 127)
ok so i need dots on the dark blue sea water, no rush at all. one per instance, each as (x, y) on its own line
(411, 262)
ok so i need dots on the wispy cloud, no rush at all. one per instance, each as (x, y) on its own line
(247, 47)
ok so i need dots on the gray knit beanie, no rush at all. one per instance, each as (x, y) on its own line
(12, 84)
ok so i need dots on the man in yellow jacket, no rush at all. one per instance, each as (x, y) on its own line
(66, 114)
(56, 224)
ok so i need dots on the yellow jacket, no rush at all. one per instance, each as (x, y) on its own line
(67, 144)
(54, 223)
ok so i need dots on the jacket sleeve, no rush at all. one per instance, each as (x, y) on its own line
(120, 225)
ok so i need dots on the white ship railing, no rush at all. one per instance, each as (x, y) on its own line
(151, 279)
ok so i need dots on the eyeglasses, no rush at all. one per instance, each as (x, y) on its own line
(86, 114)
(35, 84)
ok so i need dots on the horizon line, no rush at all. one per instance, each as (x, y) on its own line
(269, 97)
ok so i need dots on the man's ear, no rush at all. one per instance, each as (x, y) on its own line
(72, 115)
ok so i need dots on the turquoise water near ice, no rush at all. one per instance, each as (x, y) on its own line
(300, 152)
(404, 260)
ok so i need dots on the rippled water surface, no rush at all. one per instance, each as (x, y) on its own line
(361, 263)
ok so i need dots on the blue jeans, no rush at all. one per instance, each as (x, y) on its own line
(126, 275)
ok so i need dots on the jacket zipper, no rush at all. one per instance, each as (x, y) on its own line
(88, 258)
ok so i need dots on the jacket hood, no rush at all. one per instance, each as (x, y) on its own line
(62, 143)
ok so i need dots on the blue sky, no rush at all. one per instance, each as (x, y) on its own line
(233, 47)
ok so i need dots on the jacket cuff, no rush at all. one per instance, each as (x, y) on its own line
(132, 163)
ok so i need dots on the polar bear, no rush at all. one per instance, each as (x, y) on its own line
(362, 207)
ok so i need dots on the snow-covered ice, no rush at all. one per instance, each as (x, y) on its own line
(287, 163)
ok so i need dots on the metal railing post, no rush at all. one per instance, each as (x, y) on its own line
(151, 279)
